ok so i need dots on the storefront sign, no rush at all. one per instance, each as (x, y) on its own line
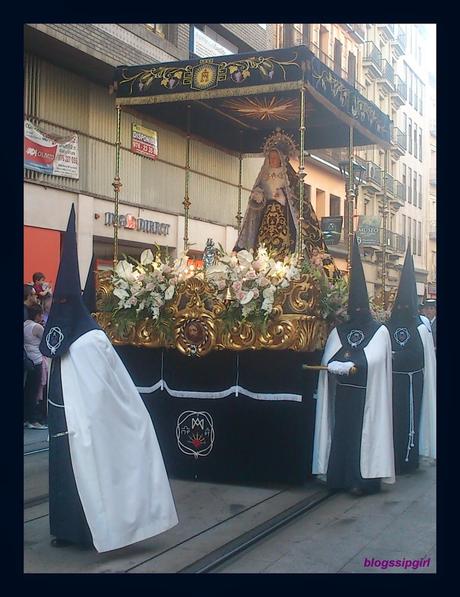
(131, 223)
(144, 141)
(368, 233)
(431, 290)
(331, 227)
(50, 154)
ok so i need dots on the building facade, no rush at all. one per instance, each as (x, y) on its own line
(68, 90)
(387, 64)
(68, 77)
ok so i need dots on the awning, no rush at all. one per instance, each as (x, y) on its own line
(236, 101)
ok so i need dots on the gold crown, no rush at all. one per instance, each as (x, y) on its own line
(279, 139)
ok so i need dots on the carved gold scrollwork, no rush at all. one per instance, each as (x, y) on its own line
(294, 322)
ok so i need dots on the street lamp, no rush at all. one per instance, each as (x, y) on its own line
(353, 173)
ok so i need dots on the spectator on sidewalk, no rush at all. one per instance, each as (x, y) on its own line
(30, 298)
(429, 308)
(33, 332)
(41, 287)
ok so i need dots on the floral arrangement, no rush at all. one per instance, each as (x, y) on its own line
(251, 283)
(247, 282)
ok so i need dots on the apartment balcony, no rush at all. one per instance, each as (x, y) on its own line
(373, 176)
(398, 142)
(390, 185)
(432, 232)
(386, 79)
(399, 198)
(399, 93)
(372, 59)
(329, 62)
(399, 42)
(395, 245)
(433, 127)
(358, 32)
(388, 29)
(433, 176)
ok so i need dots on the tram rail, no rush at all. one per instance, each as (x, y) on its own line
(209, 559)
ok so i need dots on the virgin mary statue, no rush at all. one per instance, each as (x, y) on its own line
(272, 214)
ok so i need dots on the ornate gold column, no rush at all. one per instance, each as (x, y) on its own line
(239, 217)
(186, 203)
(384, 228)
(301, 174)
(117, 186)
(350, 195)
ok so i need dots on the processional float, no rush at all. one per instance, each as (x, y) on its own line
(238, 103)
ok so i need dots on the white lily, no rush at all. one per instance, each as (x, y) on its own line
(147, 257)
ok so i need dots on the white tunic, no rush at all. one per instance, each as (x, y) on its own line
(116, 458)
(427, 433)
(377, 453)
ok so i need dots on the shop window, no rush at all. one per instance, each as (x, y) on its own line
(334, 205)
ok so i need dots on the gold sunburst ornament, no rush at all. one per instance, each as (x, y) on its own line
(265, 108)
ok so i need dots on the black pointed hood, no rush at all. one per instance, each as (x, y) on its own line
(69, 318)
(89, 292)
(358, 298)
(405, 306)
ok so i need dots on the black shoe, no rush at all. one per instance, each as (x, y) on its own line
(60, 543)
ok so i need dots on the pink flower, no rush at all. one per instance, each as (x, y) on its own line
(237, 285)
(240, 295)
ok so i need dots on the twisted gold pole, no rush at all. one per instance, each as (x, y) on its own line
(117, 186)
(350, 194)
(301, 174)
(186, 203)
(239, 217)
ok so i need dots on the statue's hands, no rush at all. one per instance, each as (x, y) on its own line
(257, 195)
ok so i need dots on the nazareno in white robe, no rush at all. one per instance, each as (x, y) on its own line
(377, 452)
(427, 432)
(116, 459)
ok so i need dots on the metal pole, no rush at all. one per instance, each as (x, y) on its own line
(384, 231)
(301, 175)
(186, 203)
(350, 194)
(239, 217)
(117, 186)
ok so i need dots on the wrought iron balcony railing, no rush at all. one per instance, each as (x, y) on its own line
(387, 71)
(399, 138)
(400, 87)
(374, 173)
(329, 61)
(400, 37)
(390, 184)
(400, 191)
(372, 55)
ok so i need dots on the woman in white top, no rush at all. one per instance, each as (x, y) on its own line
(33, 332)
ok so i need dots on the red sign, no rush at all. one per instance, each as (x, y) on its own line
(39, 154)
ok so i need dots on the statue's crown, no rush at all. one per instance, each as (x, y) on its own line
(279, 139)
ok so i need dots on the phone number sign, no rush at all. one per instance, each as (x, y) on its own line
(144, 141)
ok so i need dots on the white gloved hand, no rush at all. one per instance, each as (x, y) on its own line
(339, 368)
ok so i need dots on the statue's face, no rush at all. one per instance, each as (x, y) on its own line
(274, 159)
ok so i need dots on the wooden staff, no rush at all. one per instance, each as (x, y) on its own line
(324, 368)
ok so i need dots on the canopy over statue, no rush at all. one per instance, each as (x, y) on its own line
(236, 100)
